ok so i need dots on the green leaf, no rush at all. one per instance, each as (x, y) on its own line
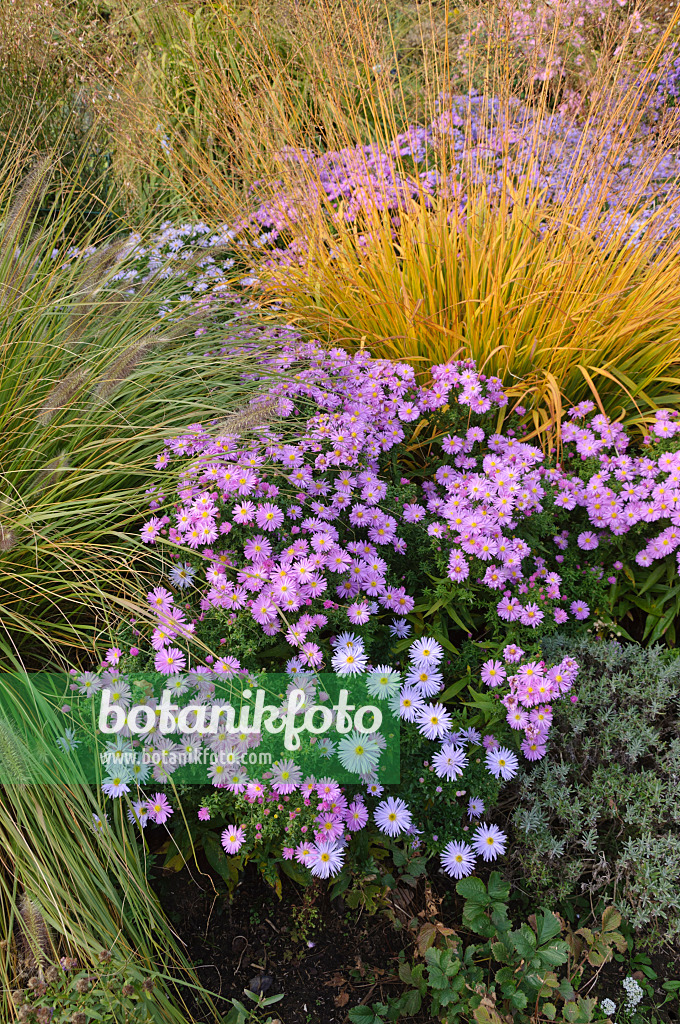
(547, 927)
(406, 974)
(518, 1000)
(442, 966)
(473, 889)
(225, 866)
(297, 874)
(611, 919)
(456, 618)
(549, 1010)
(454, 689)
(524, 941)
(555, 954)
(566, 990)
(412, 1002)
(484, 1015)
(570, 1012)
(364, 1015)
(498, 889)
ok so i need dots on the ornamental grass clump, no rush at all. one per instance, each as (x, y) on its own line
(73, 886)
(529, 295)
(92, 376)
(424, 219)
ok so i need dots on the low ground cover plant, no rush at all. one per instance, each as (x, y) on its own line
(531, 973)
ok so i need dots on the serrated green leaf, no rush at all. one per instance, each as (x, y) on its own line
(555, 954)
(519, 1000)
(549, 1010)
(524, 941)
(611, 919)
(570, 1012)
(566, 990)
(473, 889)
(499, 891)
(413, 1002)
(364, 1015)
(547, 927)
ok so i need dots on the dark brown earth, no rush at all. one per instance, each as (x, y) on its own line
(322, 955)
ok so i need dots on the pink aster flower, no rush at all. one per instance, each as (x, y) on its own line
(203, 814)
(356, 815)
(509, 609)
(233, 838)
(358, 614)
(492, 673)
(531, 615)
(150, 530)
(579, 609)
(269, 517)
(170, 661)
(159, 808)
(533, 749)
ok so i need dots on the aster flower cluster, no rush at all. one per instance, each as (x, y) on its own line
(298, 528)
(491, 145)
(316, 831)
(532, 689)
(261, 492)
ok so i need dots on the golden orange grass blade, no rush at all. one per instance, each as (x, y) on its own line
(523, 302)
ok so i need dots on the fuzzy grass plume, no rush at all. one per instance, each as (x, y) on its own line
(91, 381)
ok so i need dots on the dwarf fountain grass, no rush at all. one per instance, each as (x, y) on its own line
(92, 377)
(73, 880)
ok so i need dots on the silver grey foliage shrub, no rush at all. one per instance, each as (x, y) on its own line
(600, 814)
